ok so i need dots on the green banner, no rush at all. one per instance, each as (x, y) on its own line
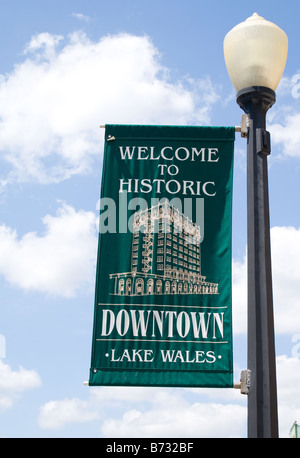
(163, 301)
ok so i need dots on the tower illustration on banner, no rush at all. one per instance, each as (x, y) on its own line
(165, 256)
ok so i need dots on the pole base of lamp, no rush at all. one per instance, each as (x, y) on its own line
(262, 395)
(256, 93)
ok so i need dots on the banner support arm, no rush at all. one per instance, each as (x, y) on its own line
(243, 128)
(244, 383)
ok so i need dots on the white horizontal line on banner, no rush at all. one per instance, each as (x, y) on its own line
(166, 305)
(167, 341)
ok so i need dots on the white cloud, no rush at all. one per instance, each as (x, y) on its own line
(52, 104)
(81, 17)
(288, 380)
(181, 413)
(59, 262)
(284, 118)
(147, 412)
(55, 414)
(286, 134)
(285, 252)
(180, 419)
(174, 413)
(286, 278)
(13, 383)
(43, 45)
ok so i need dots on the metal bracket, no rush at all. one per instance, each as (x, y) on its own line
(110, 137)
(245, 381)
(243, 128)
(263, 141)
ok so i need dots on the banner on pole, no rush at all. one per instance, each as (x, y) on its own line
(163, 300)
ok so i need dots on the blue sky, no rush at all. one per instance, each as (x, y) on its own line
(66, 67)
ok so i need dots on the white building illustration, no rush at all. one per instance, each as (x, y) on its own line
(165, 256)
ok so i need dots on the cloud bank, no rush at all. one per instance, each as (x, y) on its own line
(285, 249)
(51, 104)
(59, 262)
(13, 383)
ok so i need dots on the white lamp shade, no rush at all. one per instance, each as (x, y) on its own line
(255, 53)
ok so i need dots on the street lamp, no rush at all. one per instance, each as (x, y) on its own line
(255, 55)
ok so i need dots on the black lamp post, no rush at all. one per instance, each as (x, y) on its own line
(255, 54)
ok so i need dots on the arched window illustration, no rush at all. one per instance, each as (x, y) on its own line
(150, 285)
(139, 286)
(128, 286)
(179, 288)
(167, 287)
(159, 287)
(121, 286)
(174, 287)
